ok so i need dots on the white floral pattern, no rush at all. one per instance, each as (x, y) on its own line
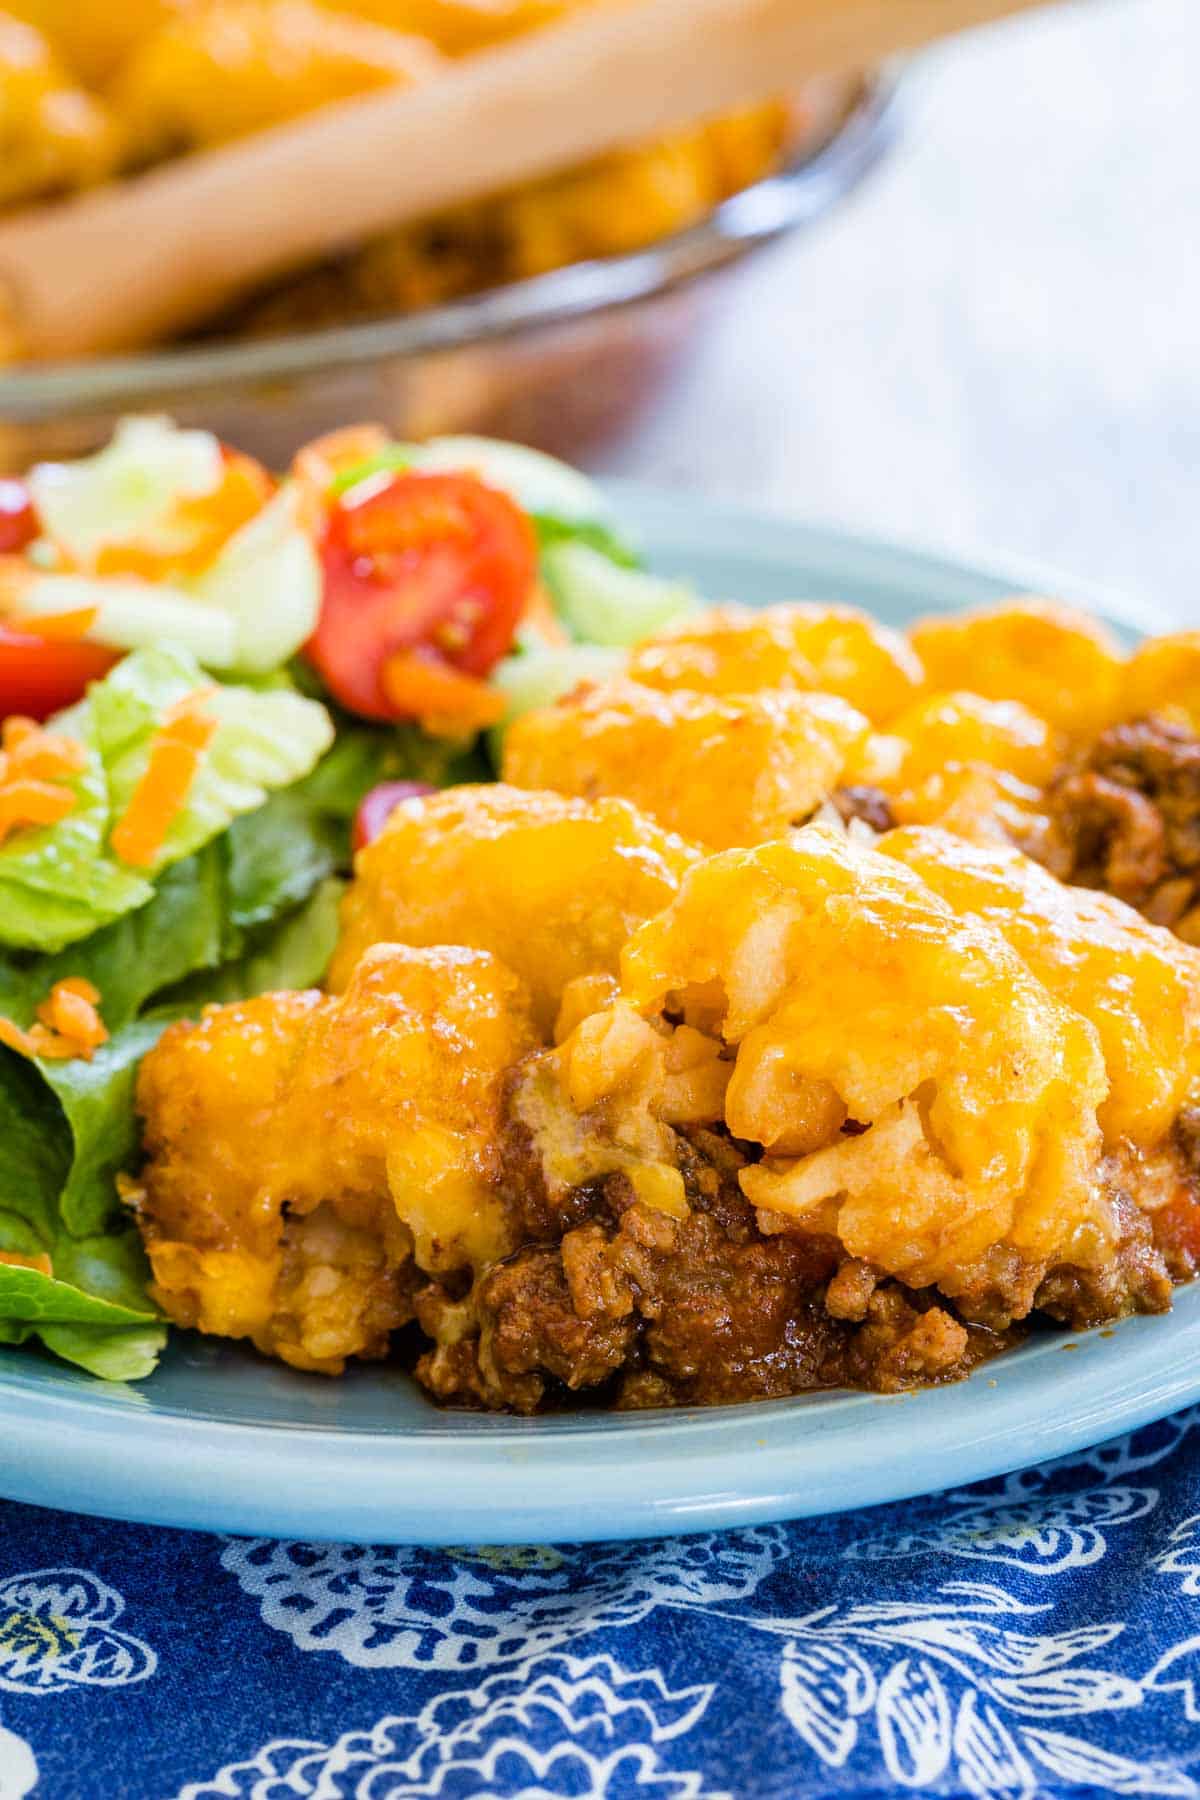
(970, 1688)
(834, 1659)
(1044, 1537)
(1182, 1556)
(58, 1633)
(18, 1766)
(549, 1727)
(403, 1608)
(58, 1630)
(959, 1685)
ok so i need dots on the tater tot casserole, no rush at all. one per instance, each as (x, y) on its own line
(723, 1003)
(91, 94)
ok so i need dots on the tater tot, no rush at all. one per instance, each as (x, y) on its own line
(1061, 664)
(743, 649)
(550, 885)
(719, 769)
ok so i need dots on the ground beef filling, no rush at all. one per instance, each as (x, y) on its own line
(641, 1309)
(1176, 1222)
(869, 804)
(616, 1302)
(1126, 818)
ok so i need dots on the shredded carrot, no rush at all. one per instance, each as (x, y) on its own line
(33, 764)
(80, 986)
(63, 627)
(446, 701)
(190, 706)
(176, 752)
(68, 1024)
(15, 1038)
(28, 803)
(23, 739)
(40, 1261)
(17, 730)
(196, 526)
(27, 752)
(70, 1010)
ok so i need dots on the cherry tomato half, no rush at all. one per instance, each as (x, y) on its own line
(430, 561)
(18, 521)
(40, 675)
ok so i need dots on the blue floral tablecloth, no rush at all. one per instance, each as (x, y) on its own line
(1037, 1635)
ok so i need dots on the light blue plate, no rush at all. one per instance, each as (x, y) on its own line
(221, 1440)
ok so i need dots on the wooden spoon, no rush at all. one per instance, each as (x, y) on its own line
(147, 257)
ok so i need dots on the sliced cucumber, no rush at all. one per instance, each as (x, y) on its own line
(267, 583)
(132, 614)
(537, 482)
(127, 489)
(600, 602)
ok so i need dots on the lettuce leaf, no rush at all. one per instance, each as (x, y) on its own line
(97, 1102)
(278, 855)
(132, 613)
(267, 582)
(27, 1297)
(294, 952)
(93, 1308)
(252, 910)
(127, 1355)
(128, 491)
(183, 927)
(365, 755)
(264, 740)
(35, 1157)
(60, 883)
(594, 533)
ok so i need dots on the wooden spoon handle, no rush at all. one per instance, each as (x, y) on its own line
(147, 257)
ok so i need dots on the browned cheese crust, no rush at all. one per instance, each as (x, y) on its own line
(755, 1109)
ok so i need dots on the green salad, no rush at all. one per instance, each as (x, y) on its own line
(213, 684)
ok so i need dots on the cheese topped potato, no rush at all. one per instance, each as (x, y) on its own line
(231, 68)
(92, 40)
(551, 886)
(721, 769)
(56, 136)
(962, 730)
(300, 1148)
(1059, 663)
(1136, 983)
(919, 1093)
(744, 649)
(1162, 678)
(974, 766)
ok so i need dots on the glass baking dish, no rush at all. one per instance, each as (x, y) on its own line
(561, 361)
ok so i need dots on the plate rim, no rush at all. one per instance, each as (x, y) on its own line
(574, 1481)
(700, 1470)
